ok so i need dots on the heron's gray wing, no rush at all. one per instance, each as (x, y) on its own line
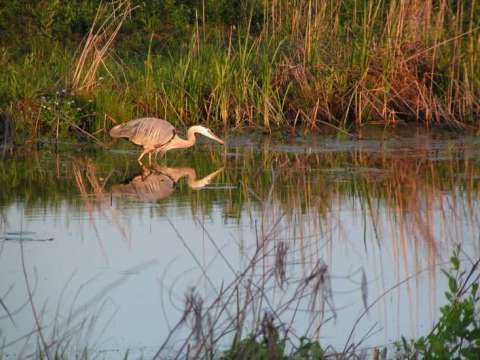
(149, 132)
(152, 132)
(127, 129)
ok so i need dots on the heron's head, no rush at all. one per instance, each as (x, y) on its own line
(207, 132)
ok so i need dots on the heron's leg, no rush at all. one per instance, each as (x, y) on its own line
(141, 156)
(150, 158)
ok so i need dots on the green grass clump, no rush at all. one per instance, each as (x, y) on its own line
(456, 335)
(268, 348)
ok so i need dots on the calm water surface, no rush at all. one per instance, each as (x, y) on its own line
(111, 251)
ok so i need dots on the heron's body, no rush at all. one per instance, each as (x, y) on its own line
(158, 135)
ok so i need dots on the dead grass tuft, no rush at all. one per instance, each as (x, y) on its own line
(98, 44)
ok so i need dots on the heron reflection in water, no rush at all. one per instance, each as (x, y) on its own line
(158, 183)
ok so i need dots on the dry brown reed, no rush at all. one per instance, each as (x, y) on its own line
(98, 44)
(389, 65)
(244, 306)
(5, 308)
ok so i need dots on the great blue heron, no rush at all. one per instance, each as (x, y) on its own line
(158, 135)
(159, 183)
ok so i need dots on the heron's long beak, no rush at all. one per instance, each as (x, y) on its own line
(216, 138)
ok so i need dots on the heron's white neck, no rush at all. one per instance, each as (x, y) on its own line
(179, 143)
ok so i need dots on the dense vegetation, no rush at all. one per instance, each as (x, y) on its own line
(71, 67)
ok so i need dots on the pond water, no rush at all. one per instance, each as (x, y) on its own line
(342, 240)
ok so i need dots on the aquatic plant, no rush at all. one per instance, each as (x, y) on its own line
(456, 335)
